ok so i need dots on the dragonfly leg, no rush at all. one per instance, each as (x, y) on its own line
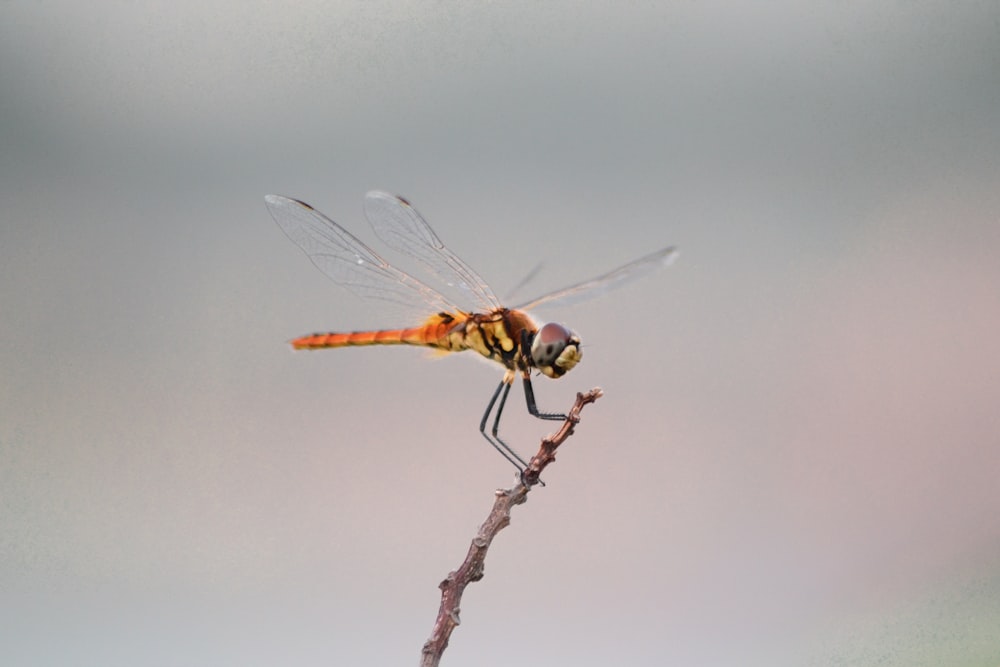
(498, 444)
(529, 391)
(529, 396)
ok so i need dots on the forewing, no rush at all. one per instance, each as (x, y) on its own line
(403, 229)
(346, 260)
(602, 284)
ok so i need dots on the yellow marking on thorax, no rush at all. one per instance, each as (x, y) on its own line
(495, 335)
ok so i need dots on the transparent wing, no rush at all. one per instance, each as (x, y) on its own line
(346, 260)
(523, 282)
(403, 229)
(623, 275)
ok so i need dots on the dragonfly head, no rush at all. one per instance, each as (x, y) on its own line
(555, 350)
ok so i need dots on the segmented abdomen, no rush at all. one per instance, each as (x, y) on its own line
(433, 333)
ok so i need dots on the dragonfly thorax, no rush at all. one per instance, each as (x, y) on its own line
(555, 350)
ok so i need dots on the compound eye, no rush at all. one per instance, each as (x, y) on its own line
(549, 343)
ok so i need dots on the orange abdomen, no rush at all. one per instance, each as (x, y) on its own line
(433, 333)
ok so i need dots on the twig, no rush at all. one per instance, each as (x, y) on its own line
(472, 567)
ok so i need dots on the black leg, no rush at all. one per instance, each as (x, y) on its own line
(529, 392)
(501, 392)
(529, 396)
(489, 408)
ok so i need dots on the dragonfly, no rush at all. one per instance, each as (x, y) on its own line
(508, 336)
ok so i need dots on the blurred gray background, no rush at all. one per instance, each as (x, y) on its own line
(797, 456)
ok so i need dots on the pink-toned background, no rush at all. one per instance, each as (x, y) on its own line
(797, 459)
